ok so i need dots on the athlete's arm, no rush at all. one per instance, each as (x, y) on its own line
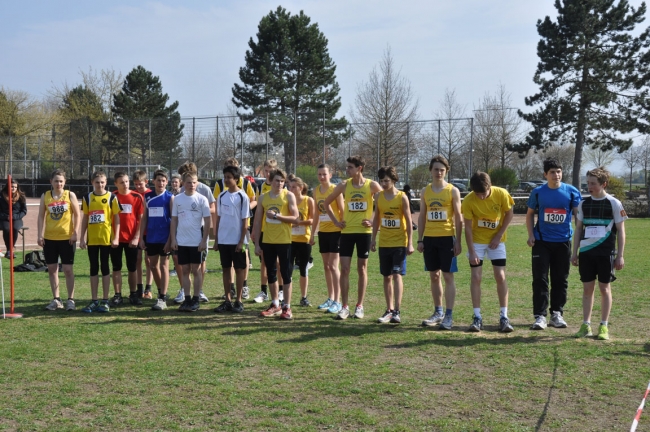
(207, 220)
(576, 242)
(242, 237)
(469, 239)
(116, 228)
(458, 219)
(168, 244)
(338, 191)
(293, 210)
(84, 228)
(40, 230)
(530, 223)
(375, 226)
(619, 262)
(406, 211)
(172, 233)
(76, 217)
(422, 220)
(257, 225)
(215, 229)
(375, 187)
(507, 218)
(314, 224)
(143, 224)
(136, 232)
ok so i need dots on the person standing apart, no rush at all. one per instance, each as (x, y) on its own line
(600, 227)
(58, 225)
(550, 239)
(18, 211)
(440, 227)
(487, 212)
(395, 240)
(356, 230)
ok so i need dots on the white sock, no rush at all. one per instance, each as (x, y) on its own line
(287, 305)
(603, 323)
(504, 312)
(276, 303)
(477, 312)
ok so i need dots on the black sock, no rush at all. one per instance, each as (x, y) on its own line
(140, 288)
(265, 289)
(232, 286)
(147, 287)
(195, 298)
(57, 298)
(246, 282)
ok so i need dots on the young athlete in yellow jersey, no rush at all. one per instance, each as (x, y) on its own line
(440, 226)
(101, 221)
(395, 240)
(487, 212)
(276, 211)
(329, 236)
(301, 234)
(356, 229)
(58, 225)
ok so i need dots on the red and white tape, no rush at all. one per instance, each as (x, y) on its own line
(635, 423)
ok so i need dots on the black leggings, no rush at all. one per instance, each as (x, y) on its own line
(5, 235)
(97, 254)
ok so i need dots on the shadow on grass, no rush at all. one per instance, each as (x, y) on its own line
(542, 418)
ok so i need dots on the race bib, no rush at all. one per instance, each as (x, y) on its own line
(487, 223)
(156, 212)
(324, 218)
(595, 231)
(182, 215)
(227, 209)
(298, 230)
(390, 223)
(127, 208)
(357, 206)
(272, 221)
(96, 217)
(57, 208)
(437, 215)
(554, 216)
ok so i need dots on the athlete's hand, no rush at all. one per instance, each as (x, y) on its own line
(239, 247)
(366, 223)
(311, 240)
(141, 244)
(134, 243)
(495, 242)
(339, 224)
(215, 246)
(82, 244)
(73, 238)
(115, 243)
(258, 250)
(458, 248)
(409, 249)
(474, 259)
(373, 246)
(574, 260)
(619, 263)
(531, 241)
(420, 247)
(41, 241)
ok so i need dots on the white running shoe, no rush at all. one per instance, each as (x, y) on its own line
(261, 297)
(433, 320)
(344, 313)
(161, 304)
(54, 305)
(539, 324)
(180, 298)
(557, 321)
(69, 305)
(281, 296)
(310, 265)
(202, 297)
(245, 294)
(386, 317)
(358, 312)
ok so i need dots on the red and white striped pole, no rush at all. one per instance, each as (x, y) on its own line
(12, 313)
(635, 423)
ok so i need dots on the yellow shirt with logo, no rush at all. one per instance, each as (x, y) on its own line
(487, 215)
(392, 223)
(100, 210)
(276, 232)
(301, 233)
(358, 206)
(439, 218)
(58, 219)
(325, 223)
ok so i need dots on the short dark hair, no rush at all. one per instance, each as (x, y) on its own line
(440, 159)
(57, 172)
(388, 171)
(159, 173)
(277, 172)
(234, 171)
(357, 161)
(550, 163)
(480, 182)
(119, 174)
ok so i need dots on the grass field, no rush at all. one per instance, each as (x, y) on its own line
(133, 369)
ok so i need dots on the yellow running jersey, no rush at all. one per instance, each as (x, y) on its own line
(439, 218)
(358, 206)
(392, 223)
(325, 223)
(58, 219)
(487, 215)
(301, 233)
(276, 232)
(100, 210)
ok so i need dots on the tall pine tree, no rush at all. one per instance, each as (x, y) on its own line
(289, 71)
(141, 100)
(588, 76)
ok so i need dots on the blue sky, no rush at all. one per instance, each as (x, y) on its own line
(197, 47)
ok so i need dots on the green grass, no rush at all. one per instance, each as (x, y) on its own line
(133, 369)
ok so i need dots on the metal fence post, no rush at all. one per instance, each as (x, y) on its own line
(408, 124)
(193, 145)
(471, 145)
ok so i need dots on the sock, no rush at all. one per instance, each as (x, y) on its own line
(57, 298)
(232, 287)
(105, 300)
(438, 310)
(147, 287)
(195, 298)
(345, 307)
(140, 287)
(504, 312)
(359, 305)
(448, 312)
(246, 282)
(287, 305)
(275, 303)
(265, 289)
(586, 322)
(603, 323)
(477, 312)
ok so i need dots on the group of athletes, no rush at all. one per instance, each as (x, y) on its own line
(358, 213)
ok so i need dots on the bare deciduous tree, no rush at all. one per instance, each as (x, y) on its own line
(454, 133)
(598, 156)
(631, 158)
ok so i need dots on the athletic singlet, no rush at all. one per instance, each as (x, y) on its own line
(392, 223)
(100, 210)
(301, 233)
(265, 188)
(276, 232)
(326, 224)
(58, 219)
(159, 216)
(439, 219)
(358, 206)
